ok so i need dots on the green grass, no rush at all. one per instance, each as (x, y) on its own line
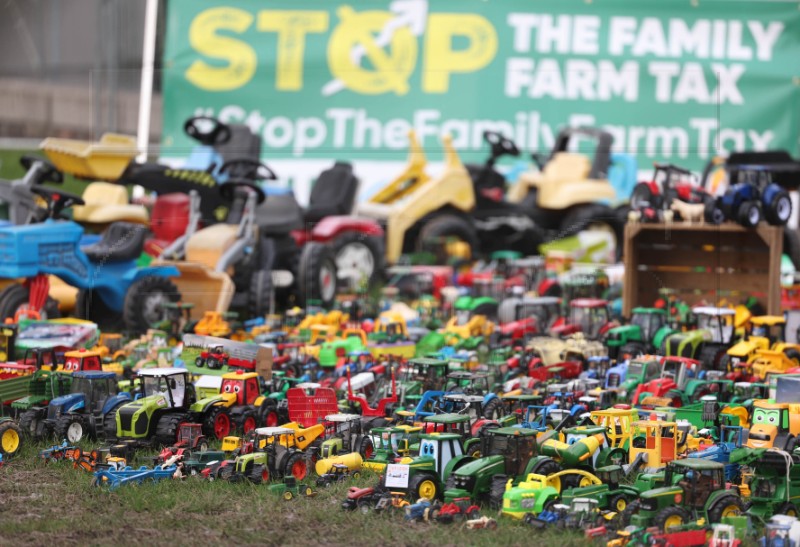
(11, 169)
(54, 504)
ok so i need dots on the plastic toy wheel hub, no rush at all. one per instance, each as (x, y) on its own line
(152, 307)
(327, 283)
(427, 489)
(249, 424)
(673, 521)
(222, 425)
(74, 432)
(354, 262)
(299, 469)
(10, 441)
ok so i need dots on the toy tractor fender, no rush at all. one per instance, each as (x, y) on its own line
(456, 463)
(619, 336)
(203, 405)
(542, 465)
(662, 334)
(718, 499)
(472, 447)
(116, 400)
(331, 227)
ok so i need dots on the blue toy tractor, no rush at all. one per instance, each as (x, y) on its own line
(111, 287)
(754, 196)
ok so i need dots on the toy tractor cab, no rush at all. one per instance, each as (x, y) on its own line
(93, 398)
(167, 394)
(709, 342)
(653, 198)
(647, 330)
(755, 196)
(278, 453)
(587, 315)
(653, 444)
(344, 434)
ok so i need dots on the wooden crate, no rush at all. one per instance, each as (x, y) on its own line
(702, 262)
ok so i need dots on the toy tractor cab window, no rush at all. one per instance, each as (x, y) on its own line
(650, 323)
(717, 321)
(172, 387)
(589, 315)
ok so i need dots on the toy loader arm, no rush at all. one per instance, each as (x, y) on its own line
(409, 179)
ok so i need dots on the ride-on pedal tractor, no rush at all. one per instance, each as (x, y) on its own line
(250, 244)
(110, 283)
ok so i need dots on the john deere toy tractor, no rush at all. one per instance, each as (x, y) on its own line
(644, 334)
(92, 399)
(237, 406)
(167, 395)
(694, 489)
(439, 455)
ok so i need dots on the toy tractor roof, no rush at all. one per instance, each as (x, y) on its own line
(239, 375)
(602, 153)
(447, 419)
(93, 375)
(711, 310)
(649, 311)
(539, 301)
(698, 464)
(588, 303)
(341, 418)
(80, 353)
(460, 375)
(274, 431)
(768, 320)
(512, 432)
(441, 436)
(428, 361)
(671, 167)
(167, 371)
(461, 397)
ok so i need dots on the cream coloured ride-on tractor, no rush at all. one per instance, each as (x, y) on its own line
(240, 263)
(571, 192)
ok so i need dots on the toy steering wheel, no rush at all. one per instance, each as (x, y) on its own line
(228, 189)
(47, 171)
(500, 145)
(57, 200)
(248, 169)
(207, 130)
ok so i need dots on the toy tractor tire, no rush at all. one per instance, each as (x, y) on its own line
(167, 428)
(217, 423)
(15, 297)
(725, 506)
(316, 275)
(443, 226)
(493, 409)
(749, 214)
(546, 467)
(110, 424)
(788, 509)
(89, 306)
(268, 416)
(779, 209)
(793, 355)
(642, 197)
(70, 427)
(365, 448)
(423, 485)
(31, 424)
(10, 438)
(296, 466)
(672, 516)
(246, 421)
(711, 357)
(259, 294)
(258, 474)
(625, 517)
(713, 213)
(144, 301)
(363, 255)
(496, 491)
(199, 362)
(618, 503)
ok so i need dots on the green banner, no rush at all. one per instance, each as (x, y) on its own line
(672, 80)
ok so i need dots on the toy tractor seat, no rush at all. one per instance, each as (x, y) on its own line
(279, 215)
(209, 244)
(106, 203)
(168, 221)
(122, 241)
(333, 194)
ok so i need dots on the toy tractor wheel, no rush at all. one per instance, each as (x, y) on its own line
(246, 422)
(546, 467)
(144, 302)
(671, 517)
(217, 423)
(642, 197)
(713, 213)
(110, 424)
(449, 227)
(296, 466)
(366, 449)
(258, 474)
(269, 417)
(287, 495)
(788, 509)
(70, 427)
(359, 259)
(31, 424)
(779, 209)
(618, 503)
(424, 486)
(317, 275)
(726, 506)
(199, 362)
(625, 517)
(10, 438)
(15, 298)
(493, 409)
(496, 491)
(89, 306)
(167, 428)
(749, 214)
(259, 294)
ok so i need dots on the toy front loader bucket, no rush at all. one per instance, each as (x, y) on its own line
(207, 289)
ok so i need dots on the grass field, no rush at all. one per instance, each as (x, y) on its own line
(54, 504)
(10, 169)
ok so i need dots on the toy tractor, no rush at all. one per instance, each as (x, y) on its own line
(344, 433)
(589, 316)
(93, 398)
(214, 358)
(418, 376)
(775, 486)
(652, 199)
(237, 406)
(440, 454)
(755, 197)
(645, 334)
(709, 342)
(774, 425)
(625, 377)
(46, 385)
(679, 384)
(694, 488)
(110, 283)
(279, 452)
(166, 397)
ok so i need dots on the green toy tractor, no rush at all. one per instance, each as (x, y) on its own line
(644, 334)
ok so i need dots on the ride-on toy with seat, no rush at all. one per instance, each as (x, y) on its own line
(109, 282)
